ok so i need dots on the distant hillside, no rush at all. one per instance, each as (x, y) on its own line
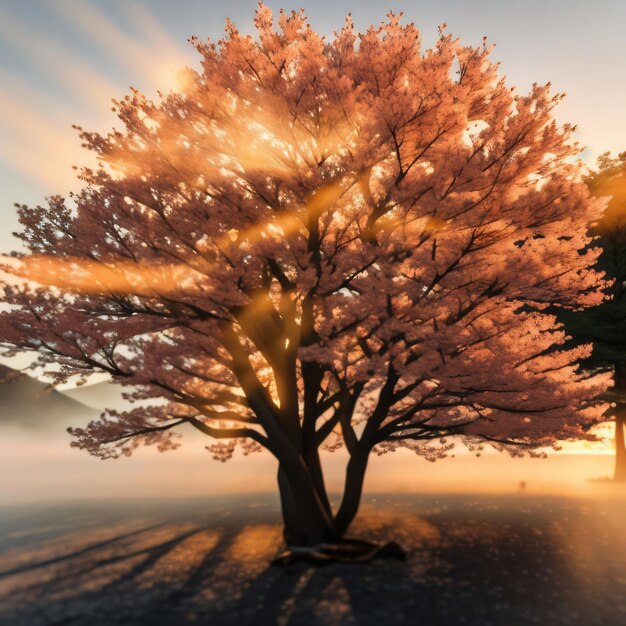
(28, 402)
(101, 396)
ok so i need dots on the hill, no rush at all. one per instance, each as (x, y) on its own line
(100, 396)
(28, 402)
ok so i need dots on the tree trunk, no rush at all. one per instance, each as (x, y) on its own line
(310, 532)
(305, 512)
(620, 423)
(620, 446)
(307, 522)
(314, 465)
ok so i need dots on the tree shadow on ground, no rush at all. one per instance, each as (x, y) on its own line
(469, 562)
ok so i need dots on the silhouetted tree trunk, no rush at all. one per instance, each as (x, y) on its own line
(310, 522)
(311, 533)
(620, 448)
(306, 520)
(620, 424)
(310, 530)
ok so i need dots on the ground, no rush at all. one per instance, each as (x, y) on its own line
(518, 559)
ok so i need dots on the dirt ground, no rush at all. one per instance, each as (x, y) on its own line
(471, 560)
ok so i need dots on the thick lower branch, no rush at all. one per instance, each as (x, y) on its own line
(228, 433)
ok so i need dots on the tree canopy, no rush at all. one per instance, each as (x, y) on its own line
(321, 243)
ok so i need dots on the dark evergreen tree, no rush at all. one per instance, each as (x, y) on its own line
(605, 324)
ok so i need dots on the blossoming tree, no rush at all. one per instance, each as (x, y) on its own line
(318, 244)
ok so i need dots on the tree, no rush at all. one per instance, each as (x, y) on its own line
(320, 244)
(605, 323)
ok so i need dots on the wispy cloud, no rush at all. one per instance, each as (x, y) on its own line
(81, 80)
(151, 56)
(37, 139)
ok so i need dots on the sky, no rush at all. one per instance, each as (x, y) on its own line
(61, 63)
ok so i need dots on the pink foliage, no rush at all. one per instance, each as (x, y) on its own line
(358, 240)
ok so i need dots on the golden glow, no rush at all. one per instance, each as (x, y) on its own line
(42, 466)
(42, 148)
(92, 277)
(144, 279)
(604, 445)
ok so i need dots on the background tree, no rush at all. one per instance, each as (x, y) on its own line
(321, 243)
(605, 323)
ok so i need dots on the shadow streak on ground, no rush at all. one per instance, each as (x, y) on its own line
(73, 555)
(482, 560)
